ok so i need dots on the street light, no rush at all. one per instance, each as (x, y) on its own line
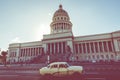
(48, 57)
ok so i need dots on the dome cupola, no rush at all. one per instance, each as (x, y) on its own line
(60, 21)
(60, 12)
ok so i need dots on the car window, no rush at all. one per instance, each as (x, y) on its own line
(62, 66)
(67, 65)
(54, 66)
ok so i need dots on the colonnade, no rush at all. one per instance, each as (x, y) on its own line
(30, 51)
(63, 26)
(94, 47)
(57, 47)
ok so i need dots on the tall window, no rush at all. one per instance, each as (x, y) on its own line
(56, 48)
(59, 47)
(76, 48)
(49, 47)
(100, 46)
(92, 47)
(36, 51)
(28, 51)
(23, 52)
(88, 48)
(63, 47)
(31, 51)
(80, 48)
(110, 46)
(53, 48)
(39, 50)
(84, 48)
(105, 46)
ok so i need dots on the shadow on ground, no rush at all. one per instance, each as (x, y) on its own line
(61, 78)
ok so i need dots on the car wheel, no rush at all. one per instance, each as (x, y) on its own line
(47, 77)
(76, 75)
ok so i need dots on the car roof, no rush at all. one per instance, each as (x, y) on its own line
(58, 63)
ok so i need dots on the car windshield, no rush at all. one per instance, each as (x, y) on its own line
(67, 65)
(48, 66)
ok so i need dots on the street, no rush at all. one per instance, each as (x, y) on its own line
(18, 77)
(14, 76)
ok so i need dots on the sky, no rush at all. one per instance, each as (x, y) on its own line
(28, 20)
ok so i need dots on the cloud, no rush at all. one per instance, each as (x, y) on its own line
(49, 14)
(15, 40)
(41, 30)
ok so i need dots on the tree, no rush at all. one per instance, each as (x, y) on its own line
(4, 57)
(0, 59)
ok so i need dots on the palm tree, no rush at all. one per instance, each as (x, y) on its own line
(4, 57)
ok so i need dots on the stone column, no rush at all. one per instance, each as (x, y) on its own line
(107, 46)
(62, 47)
(50, 48)
(98, 47)
(44, 46)
(103, 47)
(82, 48)
(58, 47)
(90, 48)
(86, 48)
(78, 48)
(94, 47)
(53, 48)
(114, 45)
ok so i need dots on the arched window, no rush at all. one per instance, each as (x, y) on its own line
(64, 18)
(58, 18)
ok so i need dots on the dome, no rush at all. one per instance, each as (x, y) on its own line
(60, 22)
(60, 12)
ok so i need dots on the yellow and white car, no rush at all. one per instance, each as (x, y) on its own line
(61, 69)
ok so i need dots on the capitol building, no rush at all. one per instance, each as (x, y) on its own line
(96, 47)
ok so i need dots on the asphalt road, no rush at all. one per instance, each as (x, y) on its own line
(33, 76)
(18, 77)
(11, 75)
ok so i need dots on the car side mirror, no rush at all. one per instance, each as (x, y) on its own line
(48, 66)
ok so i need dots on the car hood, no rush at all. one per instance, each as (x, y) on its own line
(75, 68)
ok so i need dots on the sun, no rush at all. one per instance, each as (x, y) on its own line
(41, 30)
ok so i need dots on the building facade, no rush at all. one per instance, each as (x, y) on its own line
(82, 48)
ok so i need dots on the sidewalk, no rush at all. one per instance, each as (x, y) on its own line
(24, 73)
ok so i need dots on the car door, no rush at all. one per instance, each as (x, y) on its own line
(54, 70)
(63, 71)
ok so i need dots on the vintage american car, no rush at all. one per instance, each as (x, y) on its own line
(61, 69)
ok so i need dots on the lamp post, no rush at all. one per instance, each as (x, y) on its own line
(48, 57)
(18, 59)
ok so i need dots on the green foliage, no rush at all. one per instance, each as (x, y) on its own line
(3, 57)
(4, 53)
(0, 57)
